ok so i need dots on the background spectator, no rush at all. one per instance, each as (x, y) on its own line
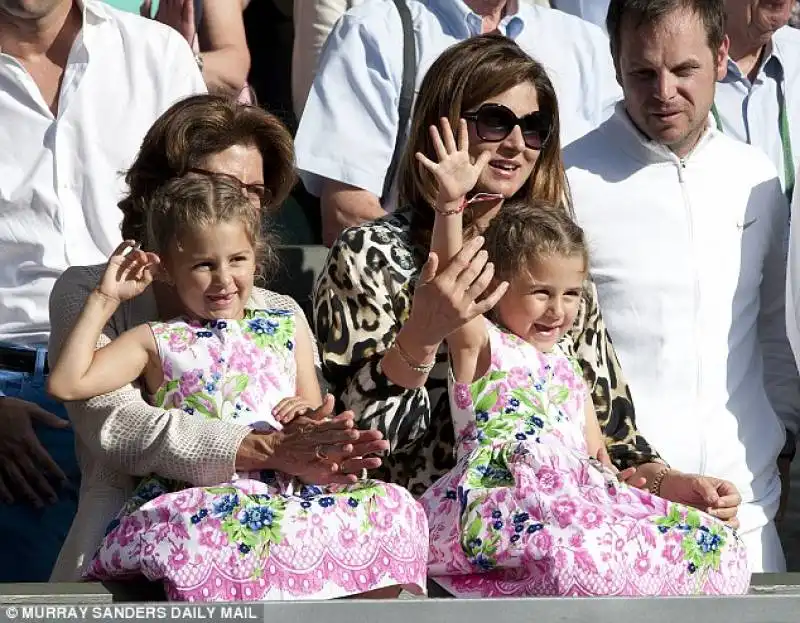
(313, 21)
(219, 42)
(69, 74)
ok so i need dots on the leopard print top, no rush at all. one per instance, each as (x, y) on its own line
(361, 300)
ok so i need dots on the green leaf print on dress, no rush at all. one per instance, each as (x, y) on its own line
(702, 546)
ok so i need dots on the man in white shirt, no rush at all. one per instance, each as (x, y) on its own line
(350, 123)
(758, 98)
(758, 102)
(687, 233)
(80, 84)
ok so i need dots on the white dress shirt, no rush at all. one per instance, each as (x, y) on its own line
(749, 111)
(313, 21)
(61, 177)
(689, 258)
(594, 11)
(349, 124)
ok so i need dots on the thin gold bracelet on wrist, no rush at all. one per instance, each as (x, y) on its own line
(422, 368)
(655, 486)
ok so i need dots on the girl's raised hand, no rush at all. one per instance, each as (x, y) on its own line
(129, 272)
(455, 172)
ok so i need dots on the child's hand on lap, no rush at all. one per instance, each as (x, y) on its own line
(129, 272)
(289, 408)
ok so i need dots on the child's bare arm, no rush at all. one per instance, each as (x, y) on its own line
(81, 372)
(456, 175)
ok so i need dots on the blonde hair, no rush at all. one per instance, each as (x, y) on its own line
(524, 233)
(195, 201)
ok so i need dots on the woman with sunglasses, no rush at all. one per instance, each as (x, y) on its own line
(383, 310)
(120, 436)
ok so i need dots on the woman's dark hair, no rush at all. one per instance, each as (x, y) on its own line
(190, 131)
(462, 78)
(641, 12)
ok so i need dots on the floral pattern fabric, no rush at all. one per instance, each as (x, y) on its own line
(260, 536)
(526, 511)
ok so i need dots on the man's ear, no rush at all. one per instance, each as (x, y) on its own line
(722, 58)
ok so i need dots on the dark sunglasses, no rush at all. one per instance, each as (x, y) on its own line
(258, 192)
(494, 122)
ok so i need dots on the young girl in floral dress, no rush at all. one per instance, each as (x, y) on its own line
(260, 536)
(529, 509)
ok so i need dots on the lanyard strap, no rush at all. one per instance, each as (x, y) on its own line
(786, 139)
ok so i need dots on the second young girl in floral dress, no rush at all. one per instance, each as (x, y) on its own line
(260, 536)
(529, 509)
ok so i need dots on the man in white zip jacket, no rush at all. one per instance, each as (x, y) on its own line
(687, 233)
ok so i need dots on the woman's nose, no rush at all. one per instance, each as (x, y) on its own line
(515, 140)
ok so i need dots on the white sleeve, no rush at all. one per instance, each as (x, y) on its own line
(349, 124)
(313, 21)
(793, 278)
(780, 370)
(182, 76)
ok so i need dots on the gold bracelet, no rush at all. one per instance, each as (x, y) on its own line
(422, 368)
(655, 486)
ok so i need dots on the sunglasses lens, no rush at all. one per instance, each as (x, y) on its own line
(535, 129)
(494, 123)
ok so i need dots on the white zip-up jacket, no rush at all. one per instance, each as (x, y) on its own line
(689, 258)
(793, 277)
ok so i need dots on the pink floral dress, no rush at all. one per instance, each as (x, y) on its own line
(260, 536)
(527, 512)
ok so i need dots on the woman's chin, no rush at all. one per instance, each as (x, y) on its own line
(507, 188)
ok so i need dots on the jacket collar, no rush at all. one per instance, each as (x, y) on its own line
(621, 129)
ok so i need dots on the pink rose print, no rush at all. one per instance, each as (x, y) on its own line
(672, 553)
(590, 518)
(462, 396)
(166, 366)
(543, 541)
(177, 342)
(503, 395)
(519, 377)
(190, 382)
(549, 480)
(128, 530)
(642, 564)
(243, 358)
(564, 510)
(347, 537)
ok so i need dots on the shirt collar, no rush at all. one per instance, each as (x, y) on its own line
(94, 13)
(772, 64)
(459, 14)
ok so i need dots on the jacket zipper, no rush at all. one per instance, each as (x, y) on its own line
(698, 357)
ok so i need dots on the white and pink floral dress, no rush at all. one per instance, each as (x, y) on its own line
(260, 536)
(527, 512)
